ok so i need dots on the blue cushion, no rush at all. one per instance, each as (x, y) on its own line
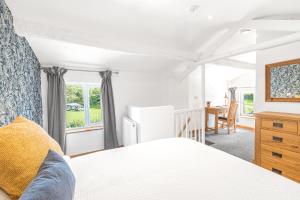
(54, 181)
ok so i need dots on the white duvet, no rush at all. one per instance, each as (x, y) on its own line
(175, 169)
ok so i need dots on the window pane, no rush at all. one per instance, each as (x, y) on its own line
(75, 106)
(248, 107)
(95, 105)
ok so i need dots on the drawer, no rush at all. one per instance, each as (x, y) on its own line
(280, 140)
(286, 158)
(282, 125)
(280, 169)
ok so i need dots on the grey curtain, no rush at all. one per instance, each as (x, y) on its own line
(109, 118)
(232, 93)
(56, 104)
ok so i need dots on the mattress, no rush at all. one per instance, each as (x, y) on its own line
(175, 169)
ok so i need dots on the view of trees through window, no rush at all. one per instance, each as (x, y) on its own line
(94, 111)
(248, 106)
(83, 105)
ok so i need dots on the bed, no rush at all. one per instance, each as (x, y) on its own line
(175, 169)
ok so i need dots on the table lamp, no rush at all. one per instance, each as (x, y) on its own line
(226, 99)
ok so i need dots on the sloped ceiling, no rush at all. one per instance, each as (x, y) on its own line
(147, 35)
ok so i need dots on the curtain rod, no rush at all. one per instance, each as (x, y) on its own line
(83, 70)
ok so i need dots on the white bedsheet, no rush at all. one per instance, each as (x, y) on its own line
(175, 169)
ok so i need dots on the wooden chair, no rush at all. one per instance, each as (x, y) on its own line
(230, 120)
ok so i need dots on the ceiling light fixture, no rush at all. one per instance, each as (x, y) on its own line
(210, 17)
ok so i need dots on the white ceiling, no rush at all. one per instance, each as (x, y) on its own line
(222, 72)
(247, 57)
(137, 34)
(53, 52)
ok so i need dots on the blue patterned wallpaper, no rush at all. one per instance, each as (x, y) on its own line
(285, 81)
(20, 80)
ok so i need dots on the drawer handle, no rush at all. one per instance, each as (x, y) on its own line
(277, 124)
(277, 171)
(277, 139)
(277, 155)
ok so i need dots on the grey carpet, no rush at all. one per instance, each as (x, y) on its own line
(209, 143)
(240, 144)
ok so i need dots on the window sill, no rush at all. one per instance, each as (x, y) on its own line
(86, 129)
(246, 117)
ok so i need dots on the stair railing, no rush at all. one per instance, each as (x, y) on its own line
(188, 123)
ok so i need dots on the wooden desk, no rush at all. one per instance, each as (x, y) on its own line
(215, 111)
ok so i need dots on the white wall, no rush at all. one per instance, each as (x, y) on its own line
(44, 91)
(216, 83)
(137, 89)
(186, 93)
(277, 54)
(83, 142)
(130, 88)
(194, 88)
(245, 80)
(218, 79)
(177, 92)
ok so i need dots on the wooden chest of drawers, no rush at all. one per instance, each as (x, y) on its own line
(277, 143)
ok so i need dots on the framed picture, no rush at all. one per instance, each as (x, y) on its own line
(283, 81)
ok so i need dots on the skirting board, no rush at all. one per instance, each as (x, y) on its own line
(83, 154)
(245, 127)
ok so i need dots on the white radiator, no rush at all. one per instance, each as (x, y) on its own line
(129, 132)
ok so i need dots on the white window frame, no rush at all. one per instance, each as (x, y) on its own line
(241, 94)
(86, 105)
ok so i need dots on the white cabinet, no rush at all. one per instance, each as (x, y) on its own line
(153, 122)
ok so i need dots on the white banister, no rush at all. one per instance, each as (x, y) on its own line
(188, 123)
(203, 103)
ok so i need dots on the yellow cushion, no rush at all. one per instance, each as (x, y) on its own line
(23, 147)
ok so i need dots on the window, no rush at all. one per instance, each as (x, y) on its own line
(83, 105)
(247, 106)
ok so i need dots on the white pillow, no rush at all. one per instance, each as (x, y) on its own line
(68, 161)
(3, 195)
